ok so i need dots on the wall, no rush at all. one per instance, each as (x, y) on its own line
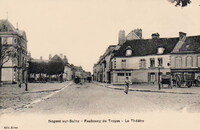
(139, 75)
(195, 61)
(134, 62)
(7, 74)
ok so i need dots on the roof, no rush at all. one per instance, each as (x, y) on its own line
(7, 27)
(190, 45)
(143, 47)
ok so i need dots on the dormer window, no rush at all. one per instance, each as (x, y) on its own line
(128, 51)
(160, 50)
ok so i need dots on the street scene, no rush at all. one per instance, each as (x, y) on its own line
(94, 58)
(98, 98)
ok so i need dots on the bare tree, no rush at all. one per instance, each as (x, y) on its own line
(7, 52)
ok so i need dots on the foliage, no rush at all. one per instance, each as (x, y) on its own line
(53, 67)
(182, 3)
(37, 67)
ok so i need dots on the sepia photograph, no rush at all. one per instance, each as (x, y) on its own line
(99, 64)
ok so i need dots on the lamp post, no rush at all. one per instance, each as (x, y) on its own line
(159, 87)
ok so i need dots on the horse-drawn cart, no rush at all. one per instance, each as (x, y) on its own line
(183, 79)
(166, 79)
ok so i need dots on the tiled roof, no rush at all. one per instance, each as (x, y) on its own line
(142, 47)
(191, 45)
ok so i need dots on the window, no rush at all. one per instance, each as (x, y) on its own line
(128, 74)
(198, 60)
(152, 62)
(5, 40)
(160, 61)
(123, 63)
(178, 62)
(120, 74)
(142, 63)
(114, 64)
(189, 62)
(128, 51)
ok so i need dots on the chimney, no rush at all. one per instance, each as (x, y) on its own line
(50, 56)
(182, 36)
(121, 38)
(61, 55)
(41, 58)
(155, 35)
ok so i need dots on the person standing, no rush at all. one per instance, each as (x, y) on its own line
(127, 83)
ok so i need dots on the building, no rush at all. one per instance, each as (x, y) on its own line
(68, 73)
(13, 52)
(146, 60)
(102, 70)
(185, 58)
(141, 60)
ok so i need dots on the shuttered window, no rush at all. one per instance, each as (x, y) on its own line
(178, 62)
(189, 61)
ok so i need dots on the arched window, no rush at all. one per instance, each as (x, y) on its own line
(178, 62)
(189, 61)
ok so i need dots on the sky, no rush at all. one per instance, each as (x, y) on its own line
(83, 29)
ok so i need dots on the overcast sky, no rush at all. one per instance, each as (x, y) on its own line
(83, 29)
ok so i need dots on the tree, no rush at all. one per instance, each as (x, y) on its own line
(7, 53)
(182, 3)
(55, 66)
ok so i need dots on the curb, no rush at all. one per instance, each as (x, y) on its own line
(143, 90)
(29, 105)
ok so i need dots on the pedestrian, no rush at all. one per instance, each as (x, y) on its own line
(127, 82)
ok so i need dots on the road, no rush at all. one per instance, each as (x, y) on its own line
(91, 98)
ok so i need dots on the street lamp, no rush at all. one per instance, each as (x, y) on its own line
(26, 84)
(159, 87)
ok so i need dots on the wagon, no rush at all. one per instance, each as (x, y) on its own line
(166, 79)
(184, 79)
(77, 80)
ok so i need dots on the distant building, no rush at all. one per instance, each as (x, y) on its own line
(14, 40)
(134, 34)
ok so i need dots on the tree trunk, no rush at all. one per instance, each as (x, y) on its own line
(0, 60)
(0, 75)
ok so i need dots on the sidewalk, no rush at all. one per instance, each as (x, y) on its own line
(153, 88)
(13, 97)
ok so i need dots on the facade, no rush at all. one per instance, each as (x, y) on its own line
(142, 60)
(139, 69)
(102, 70)
(14, 53)
(146, 60)
(68, 73)
(185, 58)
